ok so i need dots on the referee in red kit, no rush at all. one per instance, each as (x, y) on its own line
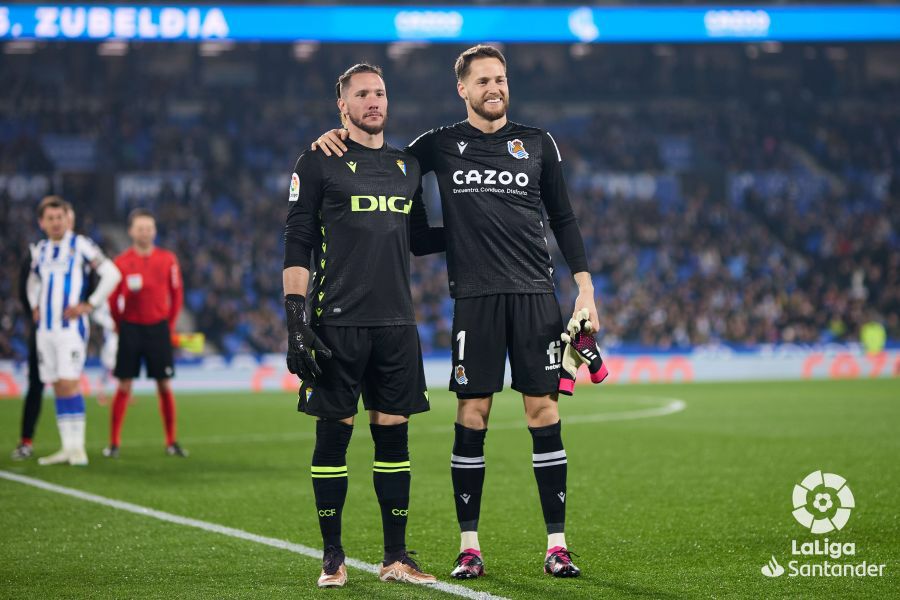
(145, 307)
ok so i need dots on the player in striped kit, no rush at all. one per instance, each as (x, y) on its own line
(56, 288)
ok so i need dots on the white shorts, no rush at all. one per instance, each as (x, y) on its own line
(109, 350)
(61, 354)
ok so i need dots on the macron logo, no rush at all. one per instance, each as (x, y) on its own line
(562, 497)
(465, 497)
(462, 147)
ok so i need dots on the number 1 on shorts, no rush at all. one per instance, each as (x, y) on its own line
(461, 338)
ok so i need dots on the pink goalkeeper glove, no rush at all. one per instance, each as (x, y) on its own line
(581, 348)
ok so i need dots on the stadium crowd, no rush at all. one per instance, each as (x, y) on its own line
(703, 260)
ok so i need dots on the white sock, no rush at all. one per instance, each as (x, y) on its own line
(556, 539)
(65, 432)
(77, 426)
(469, 539)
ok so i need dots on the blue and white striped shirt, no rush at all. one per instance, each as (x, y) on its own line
(62, 269)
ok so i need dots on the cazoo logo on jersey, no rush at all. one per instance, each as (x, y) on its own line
(489, 177)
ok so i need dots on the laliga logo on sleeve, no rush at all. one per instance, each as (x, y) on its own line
(295, 188)
(822, 502)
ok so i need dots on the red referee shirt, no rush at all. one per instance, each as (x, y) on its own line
(150, 290)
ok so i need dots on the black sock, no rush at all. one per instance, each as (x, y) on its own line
(467, 472)
(549, 460)
(391, 476)
(329, 477)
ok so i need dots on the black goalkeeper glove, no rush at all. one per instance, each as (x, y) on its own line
(304, 346)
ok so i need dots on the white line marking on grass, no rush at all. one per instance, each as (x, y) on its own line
(240, 438)
(456, 590)
(674, 405)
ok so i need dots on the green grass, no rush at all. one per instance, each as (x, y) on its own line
(688, 505)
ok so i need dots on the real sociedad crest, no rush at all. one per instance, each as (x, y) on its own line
(517, 149)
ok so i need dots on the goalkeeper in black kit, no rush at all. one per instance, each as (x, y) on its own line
(352, 223)
(497, 179)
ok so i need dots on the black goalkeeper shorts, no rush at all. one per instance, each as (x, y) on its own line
(383, 364)
(486, 328)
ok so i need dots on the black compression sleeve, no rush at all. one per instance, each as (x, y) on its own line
(555, 196)
(568, 237)
(422, 238)
(301, 229)
(296, 253)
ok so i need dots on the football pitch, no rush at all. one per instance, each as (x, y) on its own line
(675, 491)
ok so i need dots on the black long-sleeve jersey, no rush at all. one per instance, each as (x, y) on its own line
(493, 188)
(24, 272)
(359, 216)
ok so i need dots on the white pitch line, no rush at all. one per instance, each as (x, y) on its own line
(245, 438)
(456, 590)
(673, 406)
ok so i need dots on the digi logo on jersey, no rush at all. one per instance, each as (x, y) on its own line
(397, 204)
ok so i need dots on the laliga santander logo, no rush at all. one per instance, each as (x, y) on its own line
(822, 502)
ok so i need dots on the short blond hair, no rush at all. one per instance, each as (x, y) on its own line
(464, 60)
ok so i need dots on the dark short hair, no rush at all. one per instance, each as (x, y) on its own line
(357, 68)
(464, 60)
(139, 212)
(52, 202)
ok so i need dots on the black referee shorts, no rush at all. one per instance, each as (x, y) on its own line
(383, 364)
(487, 328)
(150, 344)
